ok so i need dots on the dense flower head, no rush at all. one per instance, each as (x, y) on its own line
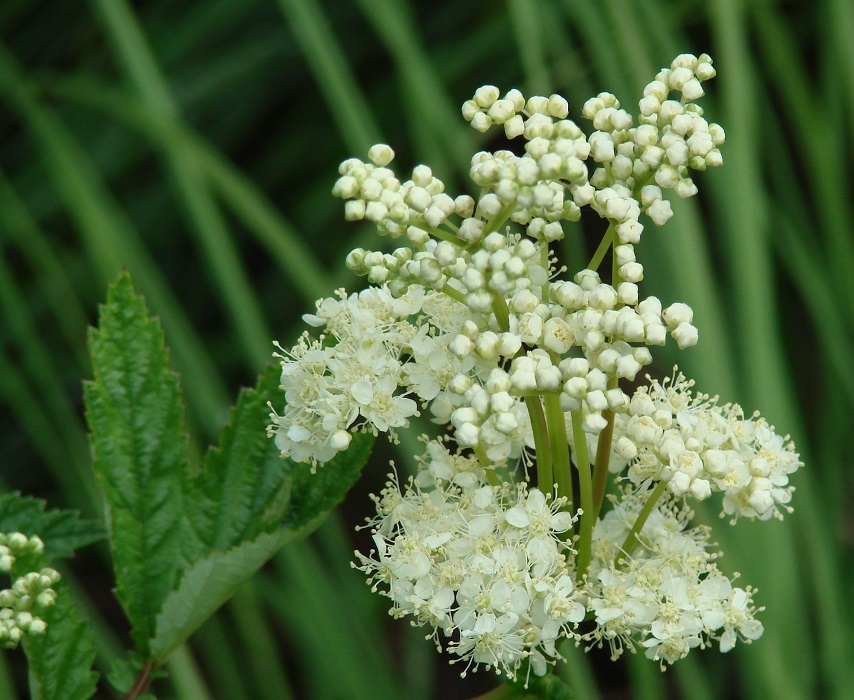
(668, 596)
(482, 565)
(506, 540)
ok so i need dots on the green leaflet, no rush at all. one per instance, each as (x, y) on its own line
(182, 543)
(315, 494)
(205, 586)
(210, 581)
(61, 659)
(243, 487)
(139, 440)
(62, 531)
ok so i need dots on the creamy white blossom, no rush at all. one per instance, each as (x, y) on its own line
(535, 369)
(482, 563)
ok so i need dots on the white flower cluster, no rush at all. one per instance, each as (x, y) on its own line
(670, 596)
(699, 447)
(472, 321)
(30, 594)
(484, 564)
(347, 378)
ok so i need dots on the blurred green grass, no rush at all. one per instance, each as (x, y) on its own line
(196, 143)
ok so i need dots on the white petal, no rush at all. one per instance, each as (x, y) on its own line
(481, 525)
(518, 517)
(362, 391)
(562, 521)
(536, 501)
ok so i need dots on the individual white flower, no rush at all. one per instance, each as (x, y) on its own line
(739, 620)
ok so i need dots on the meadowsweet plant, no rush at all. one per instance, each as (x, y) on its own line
(557, 503)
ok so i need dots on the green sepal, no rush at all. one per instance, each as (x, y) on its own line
(139, 440)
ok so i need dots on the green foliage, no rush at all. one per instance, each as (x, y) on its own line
(315, 494)
(249, 504)
(139, 443)
(182, 542)
(242, 489)
(61, 659)
(62, 531)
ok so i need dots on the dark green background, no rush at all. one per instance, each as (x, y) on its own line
(196, 144)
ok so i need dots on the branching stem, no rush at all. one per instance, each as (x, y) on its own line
(603, 457)
(604, 245)
(559, 449)
(585, 487)
(632, 537)
(545, 475)
(143, 680)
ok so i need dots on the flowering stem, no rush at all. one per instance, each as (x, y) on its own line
(536, 392)
(545, 479)
(632, 537)
(599, 255)
(603, 456)
(454, 293)
(585, 488)
(485, 462)
(502, 313)
(559, 448)
(445, 236)
(500, 218)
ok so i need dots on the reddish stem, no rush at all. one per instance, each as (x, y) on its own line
(142, 682)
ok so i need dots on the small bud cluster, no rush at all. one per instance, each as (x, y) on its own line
(30, 594)
(472, 320)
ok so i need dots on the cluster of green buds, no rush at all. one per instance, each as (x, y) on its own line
(23, 604)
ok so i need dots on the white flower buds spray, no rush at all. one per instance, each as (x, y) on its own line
(505, 541)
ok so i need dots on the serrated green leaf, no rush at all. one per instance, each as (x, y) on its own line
(209, 582)
(61, 659)
(62, 531)
(244, 486)
(136, 418)
(206, 585)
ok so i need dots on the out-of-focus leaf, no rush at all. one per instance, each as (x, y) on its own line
(61, 659)
(62, 531)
